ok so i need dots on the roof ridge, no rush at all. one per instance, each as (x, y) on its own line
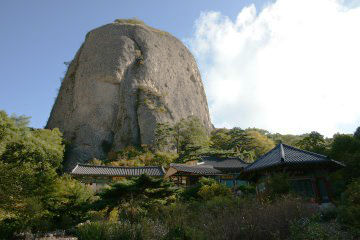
(222, 158)
(105, 166)
(262, 156)
(308, 152)
(282, 153)
(191, 166)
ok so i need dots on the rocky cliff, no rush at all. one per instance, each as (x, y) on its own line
(124, 79)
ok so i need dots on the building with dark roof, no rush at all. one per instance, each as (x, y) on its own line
(225, 170)
(227, 165)
(285, 156)
(98, 176)
(308, 172)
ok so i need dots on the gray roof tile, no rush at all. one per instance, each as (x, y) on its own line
(289, 156)
(224, 163)
(198, 169)
(85, 169)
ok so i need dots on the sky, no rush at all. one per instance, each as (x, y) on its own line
(288, 66)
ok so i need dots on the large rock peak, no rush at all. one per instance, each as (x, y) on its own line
(124, 80)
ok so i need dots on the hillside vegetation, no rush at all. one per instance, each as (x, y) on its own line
(37, 196)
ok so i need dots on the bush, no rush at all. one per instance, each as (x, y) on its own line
(278, 184)
(310, 229)
(206, 189)
(349, 211)
(108, 231)
(247, 189)
(208, 192)
(233, 218)
(105, 230)
(7, 228)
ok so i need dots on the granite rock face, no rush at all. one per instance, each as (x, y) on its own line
(124, 80)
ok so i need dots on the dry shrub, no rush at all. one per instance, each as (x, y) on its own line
(224, 218)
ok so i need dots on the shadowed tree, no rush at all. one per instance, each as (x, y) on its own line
(357, 133)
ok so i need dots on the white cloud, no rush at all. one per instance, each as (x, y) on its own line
(292, 68)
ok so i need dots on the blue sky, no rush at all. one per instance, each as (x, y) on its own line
(38, 36)
(263, 64)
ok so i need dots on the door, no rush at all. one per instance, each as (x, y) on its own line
(323, 190)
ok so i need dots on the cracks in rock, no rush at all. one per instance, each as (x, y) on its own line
(139, 53)
(126, 123)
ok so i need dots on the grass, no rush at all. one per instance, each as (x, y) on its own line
(130, 21)
(136, 21)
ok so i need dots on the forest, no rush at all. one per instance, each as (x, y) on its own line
(37, 197)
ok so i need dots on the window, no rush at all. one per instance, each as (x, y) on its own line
(303, 187)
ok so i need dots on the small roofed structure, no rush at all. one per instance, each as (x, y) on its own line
(98, 176)
(183, 174)
(225, 170)
(231, 164)
(308, 171)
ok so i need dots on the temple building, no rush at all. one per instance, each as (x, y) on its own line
(308, 172)
(224, 170)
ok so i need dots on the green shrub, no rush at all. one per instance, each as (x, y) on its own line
(208, 192)
(310, 229)
(247, 189)
(108, 231)
(278, 184)
(205, 189)
(184, 233)
(8, 227)
(349, 211)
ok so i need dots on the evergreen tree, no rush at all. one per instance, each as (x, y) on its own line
(314, 142)
(357, 133)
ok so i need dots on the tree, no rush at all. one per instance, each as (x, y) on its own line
(21, 121)
(346, 149)
(259, 142)
(164, 137)
(70, 202)
(220, 139)
(350, 208)
(314, 142)
(357, 133)
(188, 138)
(136, 196)
(29, 160)
(190, 132)
(246, 144)
(239, 140)
(288, 139)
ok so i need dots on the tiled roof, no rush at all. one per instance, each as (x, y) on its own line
(224, 163)
(85, 169)
(287, 155)
(198, 169)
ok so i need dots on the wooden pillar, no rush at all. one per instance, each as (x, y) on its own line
(316, 189)
(328, 189)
